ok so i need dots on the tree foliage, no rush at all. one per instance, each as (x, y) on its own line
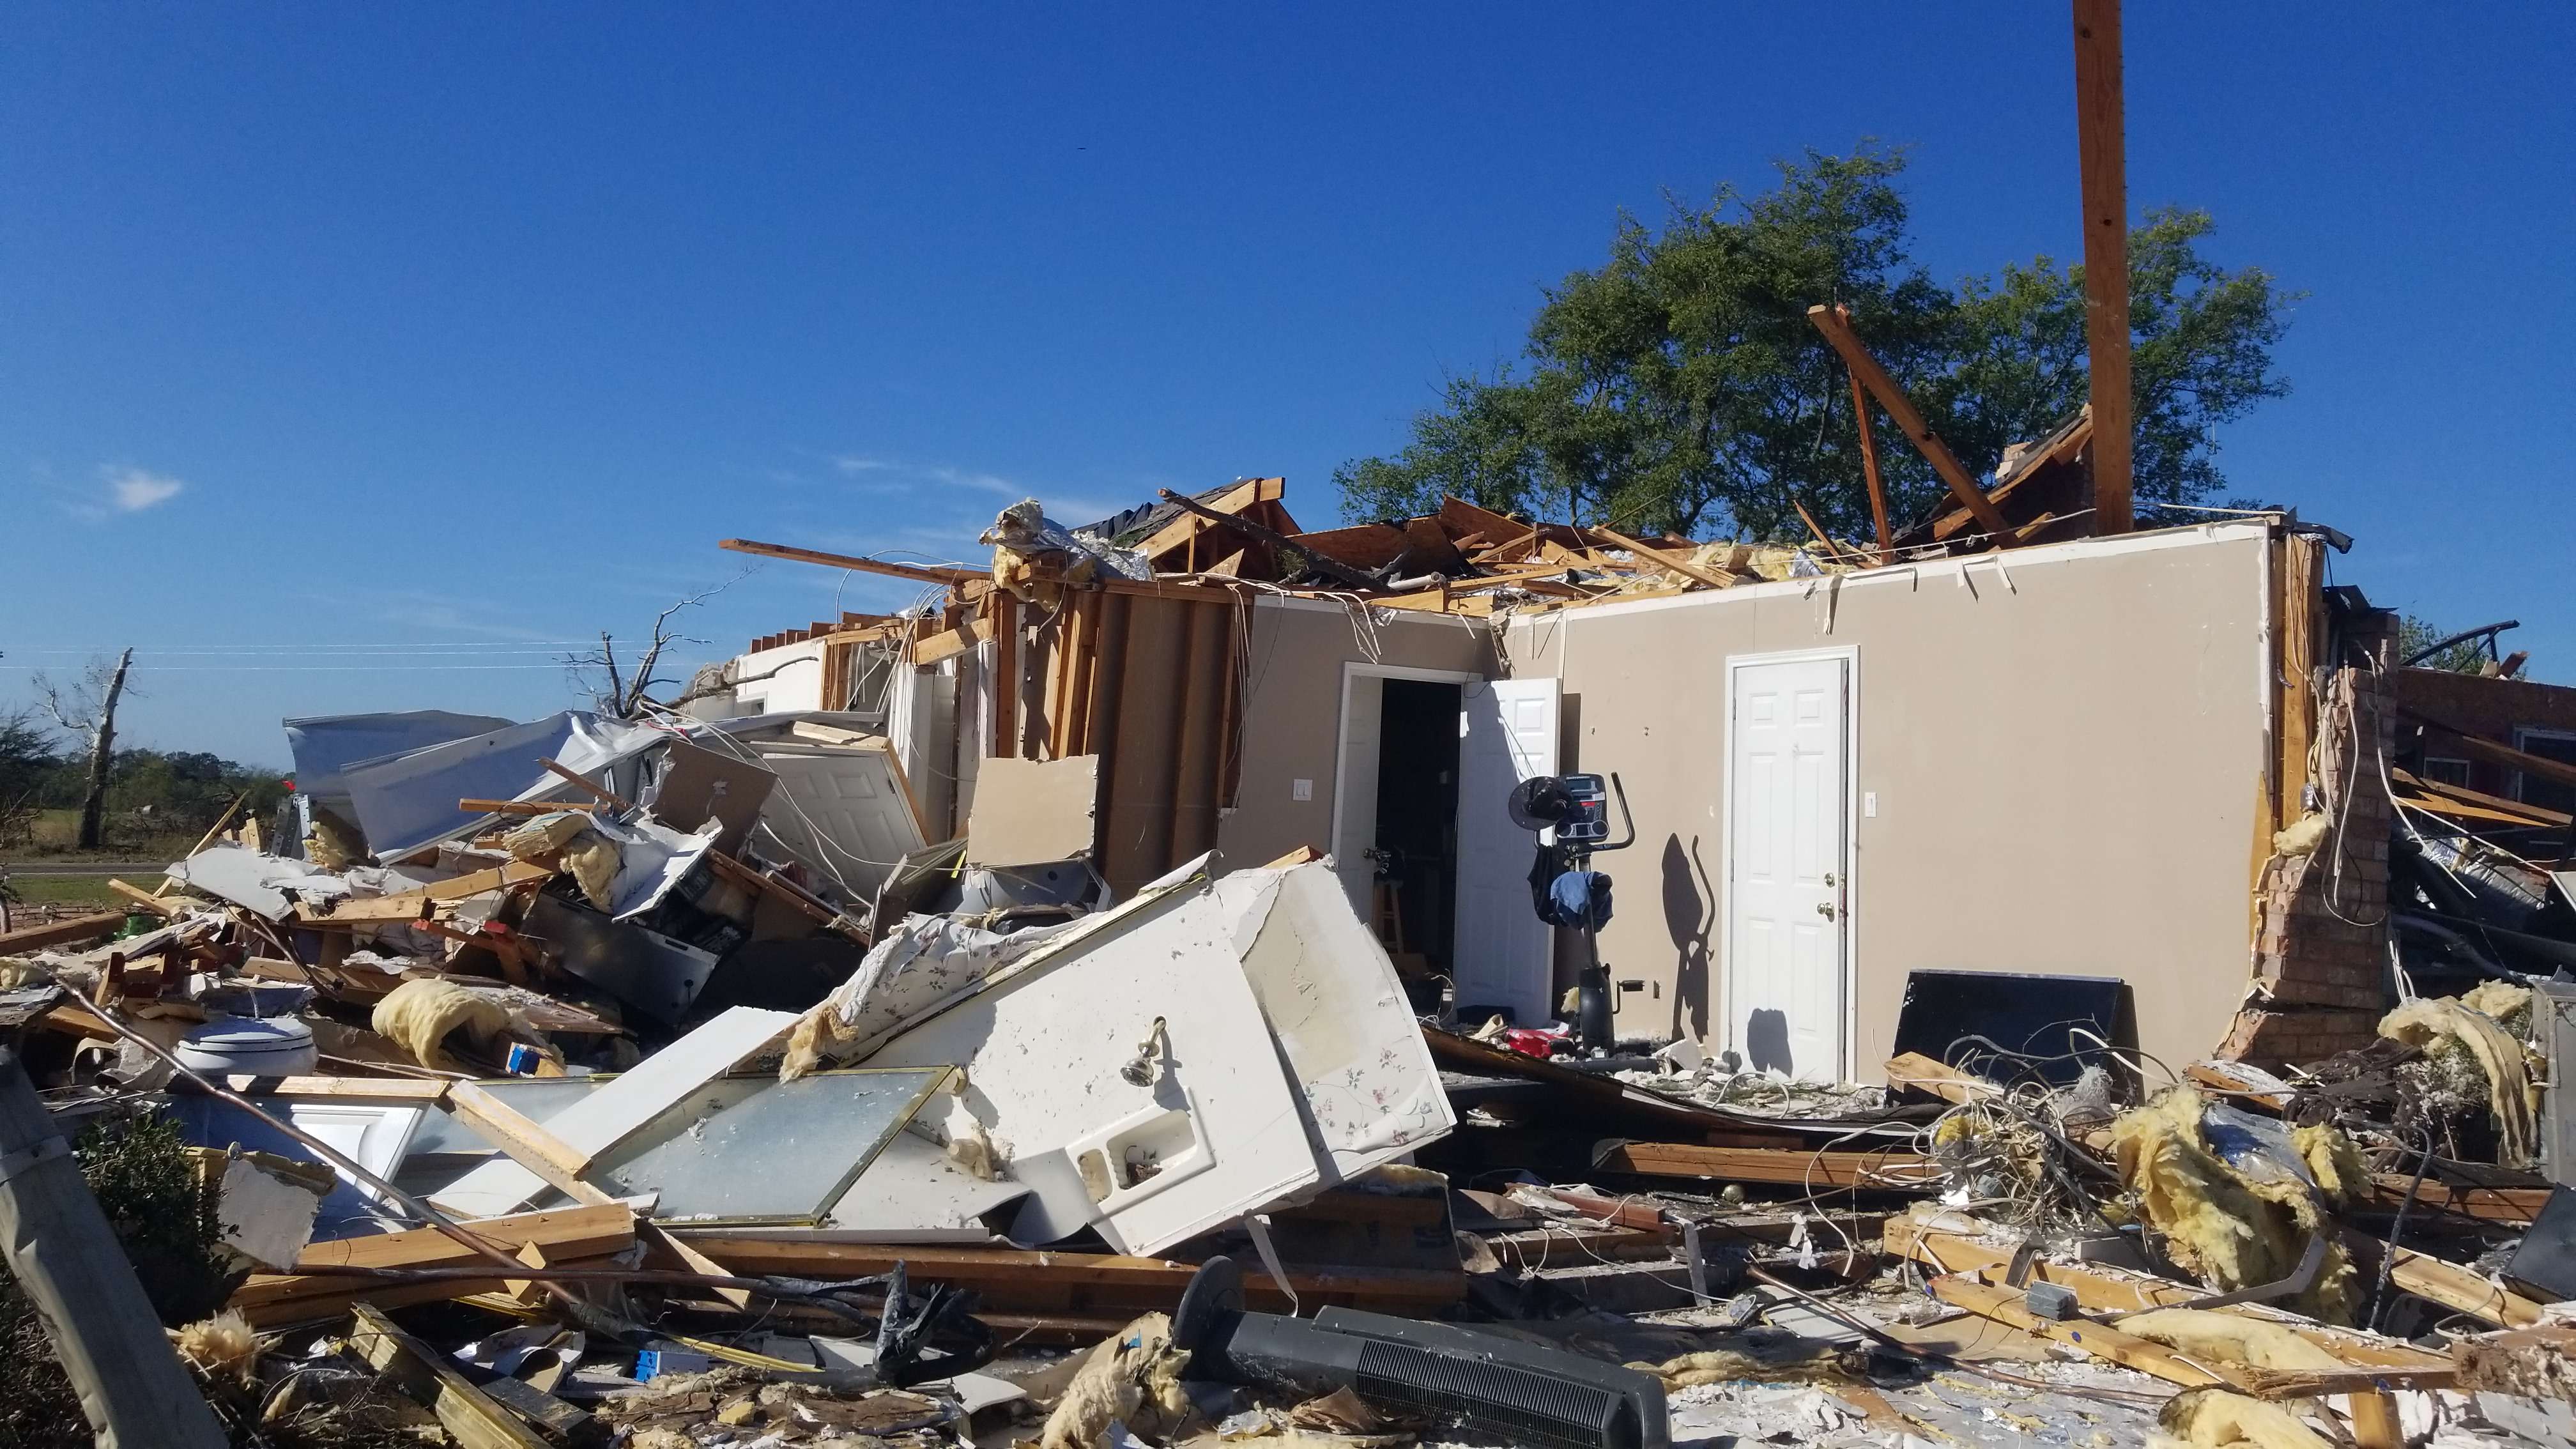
(1681, 386)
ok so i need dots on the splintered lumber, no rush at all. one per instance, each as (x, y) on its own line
(473, 806)
(2555, 771)
(1869, 464)
(61, 933)
(165, 909)
(1913, 1069)
(422, 1375)
(914, 572)
(1047, 1282)
(1793, 1166)
(2462, 1290)
(1909, 420)
(561, 1235)
(2526, 813)
(2245, 1084)
(2488, 1204)
(412, 905)
(2102, 1288)
(1670, 562)
(2007, 1306)
(937, 647)
(526, 1143)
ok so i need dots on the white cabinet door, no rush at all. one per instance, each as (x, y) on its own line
(1786, 896)
(1504, 956)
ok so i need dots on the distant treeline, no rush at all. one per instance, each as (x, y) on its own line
(150, 793)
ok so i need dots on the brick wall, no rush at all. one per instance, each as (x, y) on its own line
(2321, 929)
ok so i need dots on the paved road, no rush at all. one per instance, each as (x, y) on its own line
(83, 867)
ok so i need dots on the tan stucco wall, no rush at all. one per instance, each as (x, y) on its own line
(2065, 762)
(1292, 714)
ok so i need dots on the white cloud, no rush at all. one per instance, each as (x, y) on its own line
(132, 490)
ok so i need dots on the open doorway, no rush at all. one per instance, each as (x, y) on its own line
(1395, 810)
(1414, 857)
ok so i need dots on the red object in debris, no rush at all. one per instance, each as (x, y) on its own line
(1532, 1042)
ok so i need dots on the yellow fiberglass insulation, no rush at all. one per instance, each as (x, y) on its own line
(2254, 1342)
(418, 1015)
(589, 855)
(1133, 1378)
(2512, 1095)
(2218, 1419)
(2332, 1159)
(2229, 1230)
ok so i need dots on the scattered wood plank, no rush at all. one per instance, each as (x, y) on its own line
(526, 1143)
(1923, 1074)
(423, 1376)
(2232, 1080)
(165, 909)
(2555, 771)
(412, 905)
(953, 642)
(2462, 1290)
(1818, 1170)
(2488, 1204)
(2101, 1288)
(61, 933)
(472, 806)
(1011, 1278)
(1670, 562)
(916, 573)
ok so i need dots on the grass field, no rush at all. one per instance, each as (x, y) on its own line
(65, 889)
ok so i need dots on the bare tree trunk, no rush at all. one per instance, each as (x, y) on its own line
(102, 743)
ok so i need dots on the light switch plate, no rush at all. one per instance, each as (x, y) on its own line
(1869, 803)
(1301, 789)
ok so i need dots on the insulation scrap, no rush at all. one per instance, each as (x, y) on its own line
(1133, 1378)
(223, 1344)
(1720, 1366)
(418, 1015)
(2230, 1230)
(2512, 1095)
(2301, 836)
(2254, 1342)
(2218, 1419)
(568, 837)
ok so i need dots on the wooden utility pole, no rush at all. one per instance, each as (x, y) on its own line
(65, 1257)
(2102, 148)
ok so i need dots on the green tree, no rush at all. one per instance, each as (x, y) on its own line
(1680, 386)
(2469, 656)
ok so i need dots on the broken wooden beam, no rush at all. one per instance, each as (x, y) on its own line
(1791, 1167)
(1909, 420)
(1670, 563)
(2101, 147)
(423, 1375)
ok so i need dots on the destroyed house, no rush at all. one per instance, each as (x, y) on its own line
(2066, 759)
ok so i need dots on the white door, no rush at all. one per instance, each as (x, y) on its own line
(1505, 954)
(1786, 897)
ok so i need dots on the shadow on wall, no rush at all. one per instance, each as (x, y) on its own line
(1690, 912)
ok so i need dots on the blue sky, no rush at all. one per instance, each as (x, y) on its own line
(459, 331)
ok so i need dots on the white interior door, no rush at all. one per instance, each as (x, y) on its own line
(1504, 954)
(1786, 897)
(1355, 788)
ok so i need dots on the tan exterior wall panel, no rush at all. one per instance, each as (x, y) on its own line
(2064, 753)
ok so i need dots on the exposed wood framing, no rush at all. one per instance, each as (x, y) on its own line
(1909, 420)
(423, 1375)
(1673, 563)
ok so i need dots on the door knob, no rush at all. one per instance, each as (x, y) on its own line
(1825, 909)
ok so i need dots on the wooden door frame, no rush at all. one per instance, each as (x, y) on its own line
(1848, 1047)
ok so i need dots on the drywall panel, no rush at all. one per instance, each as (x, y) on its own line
(1035, 812)
(2058, 754)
